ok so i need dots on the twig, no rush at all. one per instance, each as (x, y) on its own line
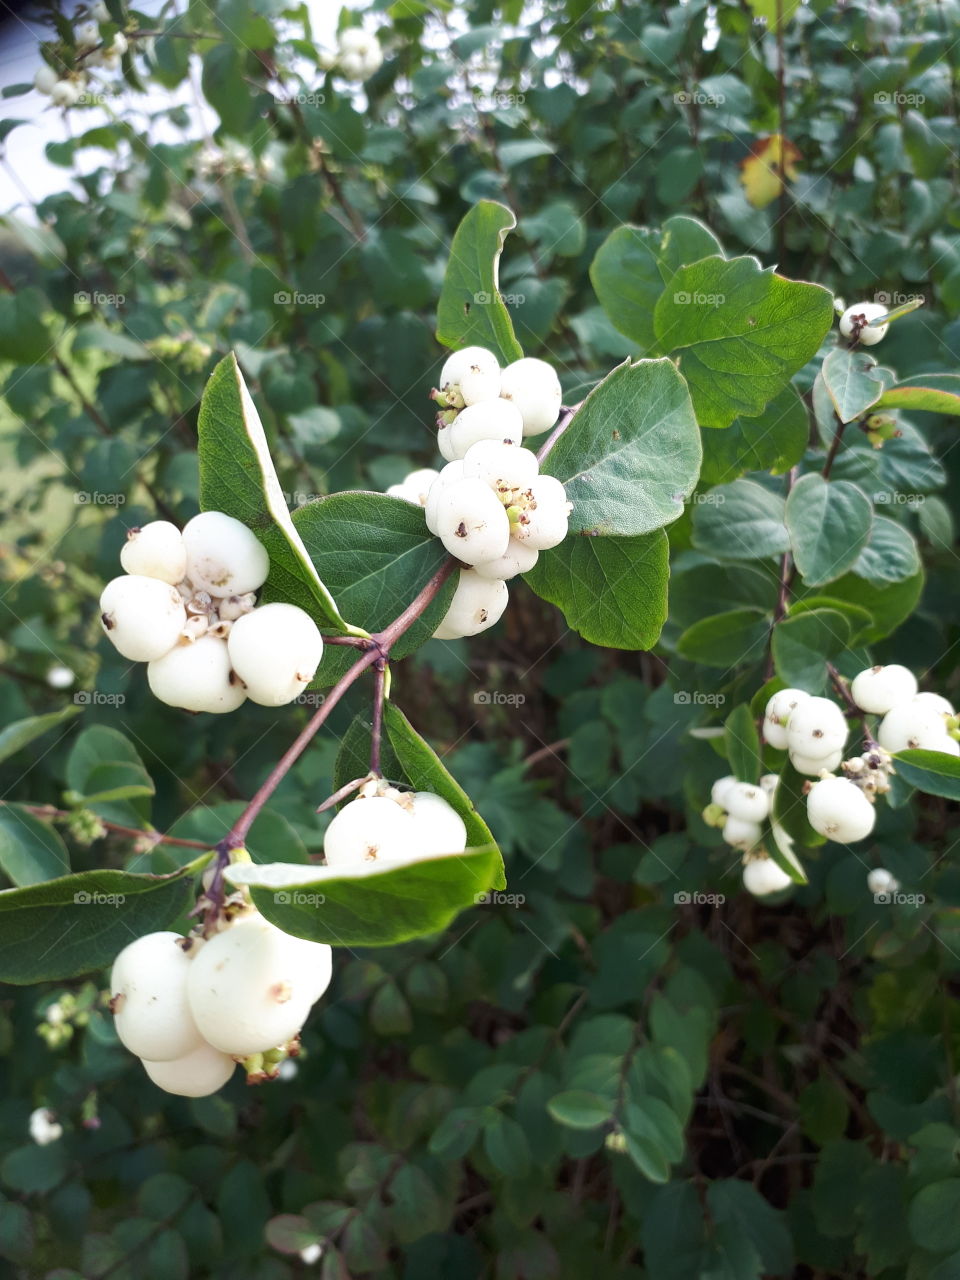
(376, 731)
(50, 813)
(566, 416)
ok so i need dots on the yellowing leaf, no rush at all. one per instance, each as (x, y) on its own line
(762, 172)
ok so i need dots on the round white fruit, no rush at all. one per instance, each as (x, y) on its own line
(747, 802)
(148, 988)
(141, 617)
(762, 876)
(544, 522)
(502, 466)
(450, 474)
(478, 604)
(195, 1075)
(816, 728)
(741, 834)
(45, 79)
(881, 881)
(721, 789)
(879, 689)
(491, 420)
(65, 93)
(275, 650)
(370, 829)
(471, 521)
(770, 782)
(223, 556)
(438, 827)
(518, 558)
(155, 550)
(197, 677)
(814, 767)
(871, 334)
(913, 724)
(414, 487)
(778, 711)
(469, 377)
(935, 702)
(839, 810)
(252, 986)
(533, 386)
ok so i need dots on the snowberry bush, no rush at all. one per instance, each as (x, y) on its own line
(478, 695)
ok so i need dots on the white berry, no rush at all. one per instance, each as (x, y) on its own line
(197, 677)
(934, 702)
(778, 711)
(275, 650)
(370, 829)
(879, 689)
(252, 986)
(449, 475)
(223, 556)
(747, 802)
(813, 767)
(770, 782)
(543, 522)
(502, 466)
(141, 617)
(196, 1075)
(438, 827)
(469, 377)
(44, 1127)
(471, 521)
(881, 881)
(762, 876)
(533, 386)
(913, 724)
(45, 79)
(870, 335)
(360, 54)
(518, 558)
(721, 790)
(148, 990)
(65, 93)
(478, 604)
(816, 728)
(155, 550)
(839, 810)
(490, 420)
(741, 834)
(414, 487)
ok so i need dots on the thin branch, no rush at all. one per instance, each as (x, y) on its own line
(49, 813)
(566, 416)
(376, 731)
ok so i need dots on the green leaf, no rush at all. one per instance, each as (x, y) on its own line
(471, 311)
(580, 1109)
(726, 639)
(20, 733)
(790, 809)
(78, 923)
(889, 606)
(851, 378)
(804, 643)
(740, 521)
(31, 851)
(741, 333)
(934, 1216)
(775, 441)
(829, 522)
(237, 476)
(633, 266)
(375, 553)
(930, 392)
(456, 1133)
(775, 13)
(934, 772)
(742, 744)
(891, 555)
(740, 1206)
(23, 336)
(506, 1145)
(631, 453)
(612, 591)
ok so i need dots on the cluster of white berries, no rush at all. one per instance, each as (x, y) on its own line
(66, 89)
(186, 606)
(910, 719)
(191, 1007)
(385, 824)
(857, 322)
(741, 809)
(489, 505)
(358, 55)
(415, 486)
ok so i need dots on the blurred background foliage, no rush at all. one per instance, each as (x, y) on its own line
(781, 1078)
